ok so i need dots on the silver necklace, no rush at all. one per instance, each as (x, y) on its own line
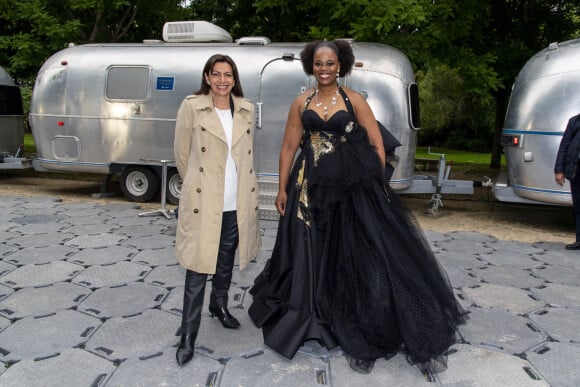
(324, 107)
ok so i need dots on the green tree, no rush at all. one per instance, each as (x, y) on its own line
(487, 41)
(32, 30)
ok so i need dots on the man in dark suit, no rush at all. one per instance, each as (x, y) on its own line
(567, 161)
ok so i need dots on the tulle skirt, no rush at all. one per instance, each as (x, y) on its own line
(350, 265)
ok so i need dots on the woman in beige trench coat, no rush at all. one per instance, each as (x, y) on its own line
(218, 207)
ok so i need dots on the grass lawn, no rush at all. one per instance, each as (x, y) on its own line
(456, 157)
(467, 163)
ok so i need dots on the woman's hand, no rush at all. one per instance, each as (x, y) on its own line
(281, 200)
(560, 179)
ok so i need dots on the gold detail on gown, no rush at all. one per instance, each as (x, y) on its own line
(321, 145)
(302, 185)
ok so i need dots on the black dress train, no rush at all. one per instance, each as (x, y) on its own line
(350, 267)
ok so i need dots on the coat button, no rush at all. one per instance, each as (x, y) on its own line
(250, 152)
(195, 211)
(253, 189)
(252, 170)
(248, 131)
(198, 190)
(201, 169)
(203, 129)
(256, 208)
(203, 149)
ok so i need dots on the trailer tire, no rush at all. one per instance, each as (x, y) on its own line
(174, 182)
(139, 184)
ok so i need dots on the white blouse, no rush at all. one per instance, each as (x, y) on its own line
(231, 181)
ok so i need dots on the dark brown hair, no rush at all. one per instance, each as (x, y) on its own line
(342, 49)
(208, 68)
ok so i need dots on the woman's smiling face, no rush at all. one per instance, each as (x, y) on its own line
(325, 65)
(221, 79)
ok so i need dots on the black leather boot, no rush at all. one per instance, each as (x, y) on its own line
(218, 302)
(191, 317)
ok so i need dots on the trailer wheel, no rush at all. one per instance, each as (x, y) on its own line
(139, 184)
(174, 182)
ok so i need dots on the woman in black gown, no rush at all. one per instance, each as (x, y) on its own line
(350, 267)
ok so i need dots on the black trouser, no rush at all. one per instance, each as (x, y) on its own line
(195, 282)
(575, 188)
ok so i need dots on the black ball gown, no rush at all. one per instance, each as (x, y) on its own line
(350, 266)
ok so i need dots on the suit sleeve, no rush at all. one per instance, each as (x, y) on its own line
(560, 165)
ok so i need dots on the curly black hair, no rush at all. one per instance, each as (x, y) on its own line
(341, 47)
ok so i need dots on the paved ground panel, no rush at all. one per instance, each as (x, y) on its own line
(90, 295)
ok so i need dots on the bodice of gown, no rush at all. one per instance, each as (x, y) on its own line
(335, 124)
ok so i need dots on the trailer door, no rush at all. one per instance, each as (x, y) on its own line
(282, 80)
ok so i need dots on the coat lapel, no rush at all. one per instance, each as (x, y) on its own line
(240, 120)
(210, 120)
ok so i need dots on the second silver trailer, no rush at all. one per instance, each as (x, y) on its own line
(545, 95)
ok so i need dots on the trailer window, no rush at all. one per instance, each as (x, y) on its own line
(128, 82)
(10, 101)
(414, 105)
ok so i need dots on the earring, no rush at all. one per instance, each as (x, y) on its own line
(338, 74)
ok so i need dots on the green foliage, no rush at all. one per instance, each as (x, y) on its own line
(32, 30)
(451, 114)
(466, 52)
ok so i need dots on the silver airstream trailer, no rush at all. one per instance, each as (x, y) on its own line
(545, 94)
(11, 123)
(110, 108)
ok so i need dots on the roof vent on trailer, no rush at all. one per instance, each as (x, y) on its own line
(194, 31)
(253, 41)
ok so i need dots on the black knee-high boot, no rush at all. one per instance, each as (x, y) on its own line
(191, 317)
(218, 305)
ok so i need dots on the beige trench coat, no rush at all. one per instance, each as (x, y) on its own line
(200, 155)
